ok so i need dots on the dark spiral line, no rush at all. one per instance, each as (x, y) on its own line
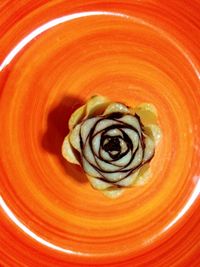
(130, 146)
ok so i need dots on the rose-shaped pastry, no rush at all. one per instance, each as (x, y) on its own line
(113, 143)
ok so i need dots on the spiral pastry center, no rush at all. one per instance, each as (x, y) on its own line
(114, 147)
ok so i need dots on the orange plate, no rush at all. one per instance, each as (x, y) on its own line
(53, 56)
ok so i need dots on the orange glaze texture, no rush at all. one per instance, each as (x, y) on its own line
(54, 55)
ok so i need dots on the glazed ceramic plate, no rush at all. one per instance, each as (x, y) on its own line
(54, 55)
